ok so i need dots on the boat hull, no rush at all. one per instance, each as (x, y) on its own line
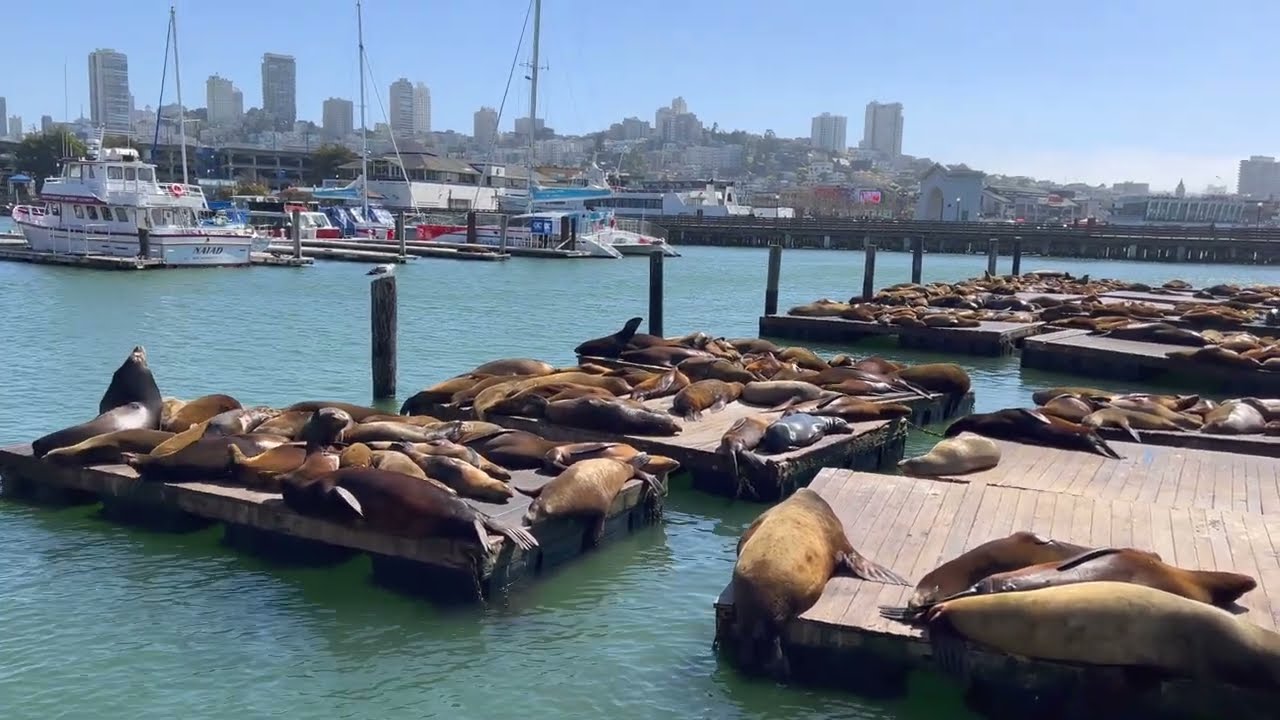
(195, 248)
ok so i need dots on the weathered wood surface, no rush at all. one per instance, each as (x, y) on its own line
(1264, 445)
(990, 338)
(264, 511)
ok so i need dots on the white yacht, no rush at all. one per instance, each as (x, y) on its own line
(100, 203)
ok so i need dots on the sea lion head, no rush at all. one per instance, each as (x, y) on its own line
(139, 355)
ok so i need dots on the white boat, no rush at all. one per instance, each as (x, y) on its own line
(597, 234)
(101, 202)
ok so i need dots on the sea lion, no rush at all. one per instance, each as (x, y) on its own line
(442, 392)
(514, 366)
(964, 453)
(851, 377)
(1118, 624)
(1106, 564)
(1034, 428)
(754, 345)
(465, 479)
(262, 471)
(319, 461)
(205, 407)
(514, 449)
(1158, 332)
(714, 368)
(395, 461)
(326, 426)
(785, 558)
(169, 406)
(1150, 406)
(356, 455)
(587, 489)
(1014, 552)
(780, 394)
(399, 432)
(936, 377)
(419, 420)
(288, 423)
(609, 346)
(107, 448)
(562, 456)
(798, 430)
(236, 421)
(660, 385)
(610, 416)
(1217, 356)
(129, 416)
(664, 356)
(133, 382)
(704, 396)
(1233, 417)
(1270, 408)
(491, 398)
(804, 357)
(208, 458)
(1041, 397)
(357, 412)
(875, 364)
(1130, 421)
(1068, 407)
(741, 439)
(396, 504)
(853, 409)
(446, 448)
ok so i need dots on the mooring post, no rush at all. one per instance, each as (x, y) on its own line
(295, 232)
(400, 234)
(144, 243)
(655, 293)
(1017, 257)
(471, 227)
(771, 283)
(869, 269)
(382, 319)
(502, 233)
(993, 252)
(917, 259)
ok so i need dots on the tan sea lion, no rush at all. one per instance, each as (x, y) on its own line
(937, 377)
(1016, 551)
(1233, 417)
(563, 456)
(1068, 407)
(262, 471)
(754, 345)
(704, 396)
(660, 385)
(1119, 624)
(964, 453)
(780, 394)
(423, 401)
(397, 431)
(288, 424)
(395, 461)
(446, 448)
(1131, 421)
(714, 368)
(785, 558)
(1040, 397)
(465, 479)
(853, 409)
(107, 448)
(419, 420)
(587, 489)
(514, 366)
(610, 416)
(1216, 356)
(130, 416)
(1181, 420)
(874, 364)
(819, 308)
(739, 442)
(208, 458)
(804, 357)
(357, 412)
(356, 455)
(205, 407)
(169, 406)
(319, 461)
(237, 421)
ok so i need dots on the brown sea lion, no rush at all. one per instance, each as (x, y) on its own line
(937, 377)
(1234, 417)
(1118, 624)
(660, 385)
(704, 396)
(401, 432)
(1158, 332)
(780, 394)
(587, 489)
(562, 456)
(1068, 407)
(237, 421)
(419, 420)
(740, 441)
(395, 461)
(1035, 428)
(205, 407)
(1014, 552)
(754, 345)
(663, 356)
(876, 364)
(442, 392)
(262, 471)
(288, 424)
(398, 505)
(1162, 410)
(798, 430)
(208, 458)
(357, 412)
(1216, 356)
(131, 416)
(484, 401)
(610, 416)
(1128, 420)
(107, 448)
(356, 455)
(853, 409)
(964, 453)
(785, 558)
(1041, 397)
(133, 382)
(514, 449)
(326, 426)
(514, 366)
(465, 479)
(319, 461)
(713, 368)
(609, 346)
(169, 406)
(445, 448)
(854, 387)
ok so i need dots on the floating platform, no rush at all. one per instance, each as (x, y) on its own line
(1080, 353)
(442, 569)
(1263, 445)
(340, 253)
(871, 446)
(11, 253)
(913, 525)
(989, 338)
(418, 249)
(517, 251)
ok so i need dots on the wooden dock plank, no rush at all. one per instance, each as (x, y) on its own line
(989, 338)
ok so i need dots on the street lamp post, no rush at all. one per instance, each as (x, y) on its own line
(1259, 215)
(957, 209)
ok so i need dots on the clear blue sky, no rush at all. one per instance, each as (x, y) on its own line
(1099, 90)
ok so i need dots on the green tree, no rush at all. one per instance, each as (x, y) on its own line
(40, 155)
(325, 162)
(249, 187)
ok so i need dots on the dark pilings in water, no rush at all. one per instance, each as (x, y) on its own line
(295, 232)
(771, 284)
(655, 293)
(382, 303)
(993, 253)
(144, 243)
(1017, 257)
(471, 227)
(400, 234)
(869, 269)
(917, 259)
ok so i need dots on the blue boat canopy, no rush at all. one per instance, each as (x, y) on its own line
(20, 178)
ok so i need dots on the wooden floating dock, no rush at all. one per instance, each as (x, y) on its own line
(9, 252)
(912, 525)
(416, 249)
(341, 253)
(872, 445)
(520, 251)
(989, 338)
(443, 569)
(1264, 445)
(1080, 353)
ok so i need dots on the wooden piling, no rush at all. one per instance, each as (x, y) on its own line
(655, 294)
(502, 233)
(144, 243)
(382, 304)
(993, 253)
(917, 259)
(295, 232)
(400, 234)
(771, 283)
(869, 269)
(471, 227)
(1017, 257)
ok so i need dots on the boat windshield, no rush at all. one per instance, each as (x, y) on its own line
(173, 217)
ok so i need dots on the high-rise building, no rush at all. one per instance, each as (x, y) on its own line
(280, 87)
(15, 127)
(828, 132)
(679, 106)
(400, 108)
(485, 126)
(338, 118)
(3, 109)
(421, 109)
(46, 124)
(223, 102)
(110, 103)
(633, 128)
(1259, 177)
(882, 128)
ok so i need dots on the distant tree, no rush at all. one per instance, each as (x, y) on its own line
(326, 160)
(118, 141)
(40, 155)
(250, 187)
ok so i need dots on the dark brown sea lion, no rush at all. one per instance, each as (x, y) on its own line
(609, 346)
(515, 366)
(853, 409)
(357, 412)
(399, 432)
(785, 558)
(514, 449)
(326, 426)
(1128, 565)
(563, 456)
(107, 448)
(754, 345)
(1014, 552)
(465, 479)
(586, 490)
(704, 396)
(133, 382)
(205, 407)
(660, 385)
(423, 401)
(398, 505)
(936, 377)
(208, 458)
(663, 356)
(713, 368)
(611, 416)
(797, 430)
(130, 416)
(1035, 428)
(1216, 356)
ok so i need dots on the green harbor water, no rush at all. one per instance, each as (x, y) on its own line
(106, 621)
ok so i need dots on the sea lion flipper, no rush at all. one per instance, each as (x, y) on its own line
(344, 497)
(591, 447)
(1085, 557)
(1102, 447)
(529, 492)
(1039, 416)
(1124, 423)
(860, 566)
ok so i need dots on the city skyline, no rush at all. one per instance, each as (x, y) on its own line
(1025, 105)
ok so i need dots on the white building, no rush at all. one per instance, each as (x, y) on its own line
(828, 132)
(421, 109)
(224, 103)
(882, 128)
(400, 108)
(950, 195)
(109, 100)
(280, 87)
(484, 126)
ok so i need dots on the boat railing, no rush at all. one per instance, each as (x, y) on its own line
(642, 227)
(75, 240)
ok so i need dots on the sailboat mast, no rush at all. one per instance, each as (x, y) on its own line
(533, 97)
(364, 134)
(177, 79)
